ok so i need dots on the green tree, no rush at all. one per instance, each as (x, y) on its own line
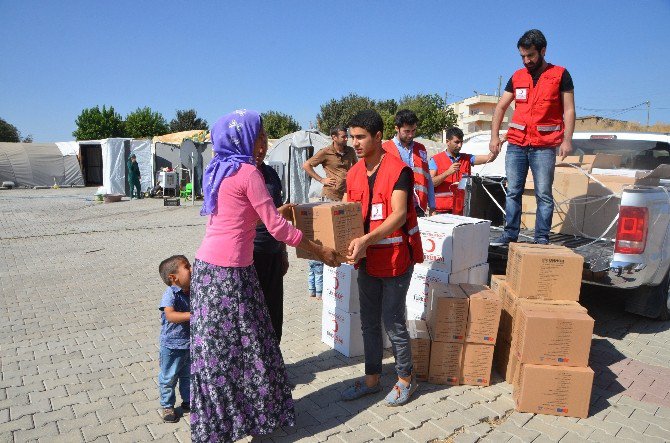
(277, 124)
(434, 116)
(94, 124)
(8, 132)
(339, 112)
(144, 123)
(187, 120)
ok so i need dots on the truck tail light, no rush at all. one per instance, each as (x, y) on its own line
(631, 233)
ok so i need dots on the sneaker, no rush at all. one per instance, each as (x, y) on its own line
(360, 389)
(503, 240)
(312, 294)
(318, 296)
(541, 241)
(185, 407)
(169, 416)
(400, 393)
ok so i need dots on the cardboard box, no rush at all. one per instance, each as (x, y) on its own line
(340, 288)
(553, 390)
(495, 283)
(478, 275)
(452, 243)
(552, 337)
(342, 331)
(546, 273)
(570, 191)
(484, 308)
(509, 299)
(417, 300)
(329, 224)
(509, 320)
(420, 340)
(476, 365)
(448, 313)
(445, 363)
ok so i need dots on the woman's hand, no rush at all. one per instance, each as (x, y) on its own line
(329, 256)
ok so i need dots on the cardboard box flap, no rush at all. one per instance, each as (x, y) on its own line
(652, 178)
(606, 161)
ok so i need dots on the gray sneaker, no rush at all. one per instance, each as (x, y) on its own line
(360, 389)
(503, 240)
(400, 393)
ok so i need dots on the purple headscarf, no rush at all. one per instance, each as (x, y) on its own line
(233, 138)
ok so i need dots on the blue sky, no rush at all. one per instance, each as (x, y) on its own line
(57, 58)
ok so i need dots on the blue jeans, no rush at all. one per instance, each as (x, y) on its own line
(383, 299)
(315, 277)
(175, 365)
(542, 162)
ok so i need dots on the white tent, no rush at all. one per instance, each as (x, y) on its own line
(287, 156)
(103, 162)
(478, 144)
(38, 164)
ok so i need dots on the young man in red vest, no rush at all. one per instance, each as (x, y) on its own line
(447, 168)
(542, 123)
(385, 255)
(415, 156)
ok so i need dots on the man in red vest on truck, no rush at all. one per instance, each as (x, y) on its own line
(542, 123)
(448, 167)
(385, 255)
(415, 156)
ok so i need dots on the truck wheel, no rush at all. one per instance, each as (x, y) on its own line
(651, 301)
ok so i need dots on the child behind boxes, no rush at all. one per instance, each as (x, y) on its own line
(174, 358)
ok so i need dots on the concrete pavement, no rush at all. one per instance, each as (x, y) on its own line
(78, 344)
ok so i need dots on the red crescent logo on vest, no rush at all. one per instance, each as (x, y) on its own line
(337, 283)
(431, 248)
(336, 326)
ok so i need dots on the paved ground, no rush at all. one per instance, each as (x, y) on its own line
(79, 325)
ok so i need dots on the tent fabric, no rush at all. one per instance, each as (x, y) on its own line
(38, 164)
(197, 135)
(68, 148)
(288, 154)
(142, 151)
(114, 165)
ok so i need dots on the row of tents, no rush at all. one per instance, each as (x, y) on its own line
(102, 163)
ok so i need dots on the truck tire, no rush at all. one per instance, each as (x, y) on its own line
(651, 301)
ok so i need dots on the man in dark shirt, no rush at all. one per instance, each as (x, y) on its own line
(270, 256)
(542, 124)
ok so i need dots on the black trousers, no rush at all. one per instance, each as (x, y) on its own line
(268, 268)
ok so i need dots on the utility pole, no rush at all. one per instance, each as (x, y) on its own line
(648, 104)
(499, 84)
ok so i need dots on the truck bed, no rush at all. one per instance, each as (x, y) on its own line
(597, 255)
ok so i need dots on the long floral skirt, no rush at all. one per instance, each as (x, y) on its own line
(239, 385)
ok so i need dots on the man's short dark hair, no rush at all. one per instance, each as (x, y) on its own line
(534, 37)
(406, 117)
(454, 132)
(337, 129)
(370, 120)
(170, 266)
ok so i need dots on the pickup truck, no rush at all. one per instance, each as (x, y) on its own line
(634, 254)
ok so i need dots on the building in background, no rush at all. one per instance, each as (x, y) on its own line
(475, 113)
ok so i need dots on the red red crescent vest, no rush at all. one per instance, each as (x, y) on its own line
(444, 194)
(420, 169)
(392, 255)
(538, 113)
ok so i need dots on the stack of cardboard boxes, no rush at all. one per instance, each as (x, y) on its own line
(463, 324)
(544, 336)
(455, 251)
(340, 317)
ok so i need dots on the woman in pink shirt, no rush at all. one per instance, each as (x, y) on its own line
(239, 384)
